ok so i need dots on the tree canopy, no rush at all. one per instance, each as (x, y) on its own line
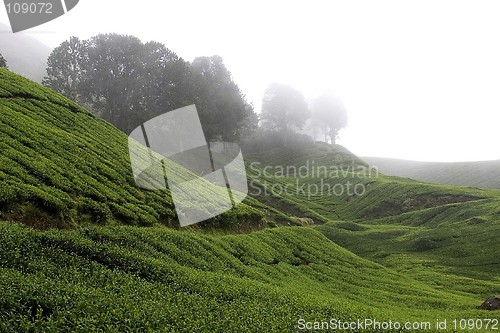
(127, 82)
(284, 109)
(221, 104)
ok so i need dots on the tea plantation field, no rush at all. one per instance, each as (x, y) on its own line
(82, 249)
(61, 167)
(121, 279)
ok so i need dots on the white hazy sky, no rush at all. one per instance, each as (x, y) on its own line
(420, 79)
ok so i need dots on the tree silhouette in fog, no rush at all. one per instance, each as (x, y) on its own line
(284, 109)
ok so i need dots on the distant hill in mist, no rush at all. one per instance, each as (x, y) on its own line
(25, 55)
(484, 174)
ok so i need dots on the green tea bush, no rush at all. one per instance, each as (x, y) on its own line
(56, 155)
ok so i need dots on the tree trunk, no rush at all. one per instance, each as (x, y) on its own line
(332, 136)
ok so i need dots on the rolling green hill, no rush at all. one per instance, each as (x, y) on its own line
(363, 246)
(484, 174)
(397, 222)
(439, 234)
(327, 182)
(60, 166)
(123, 279)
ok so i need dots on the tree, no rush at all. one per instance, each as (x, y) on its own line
(330, 116)
(117, 77)
(127, 82)
(67, 68)
(284, 108)
(100, 73)
(166, 83)
(112, 82)
(3, 62)
(223, 110)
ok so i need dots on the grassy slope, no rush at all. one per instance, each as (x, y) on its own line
(459, 240)
(59, 166)
(458, 225)
(439, 234)
(128, 278)
(442, 235)
(485, 174)
(336, 199)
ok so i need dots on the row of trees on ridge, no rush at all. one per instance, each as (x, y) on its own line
(126, 82)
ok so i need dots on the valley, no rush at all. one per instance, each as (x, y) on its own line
(82, 249)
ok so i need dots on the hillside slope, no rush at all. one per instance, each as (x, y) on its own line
(125, 279)
(325, 182)
(484, 174)
(60, 166)
(59, 158)
(440, 233)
